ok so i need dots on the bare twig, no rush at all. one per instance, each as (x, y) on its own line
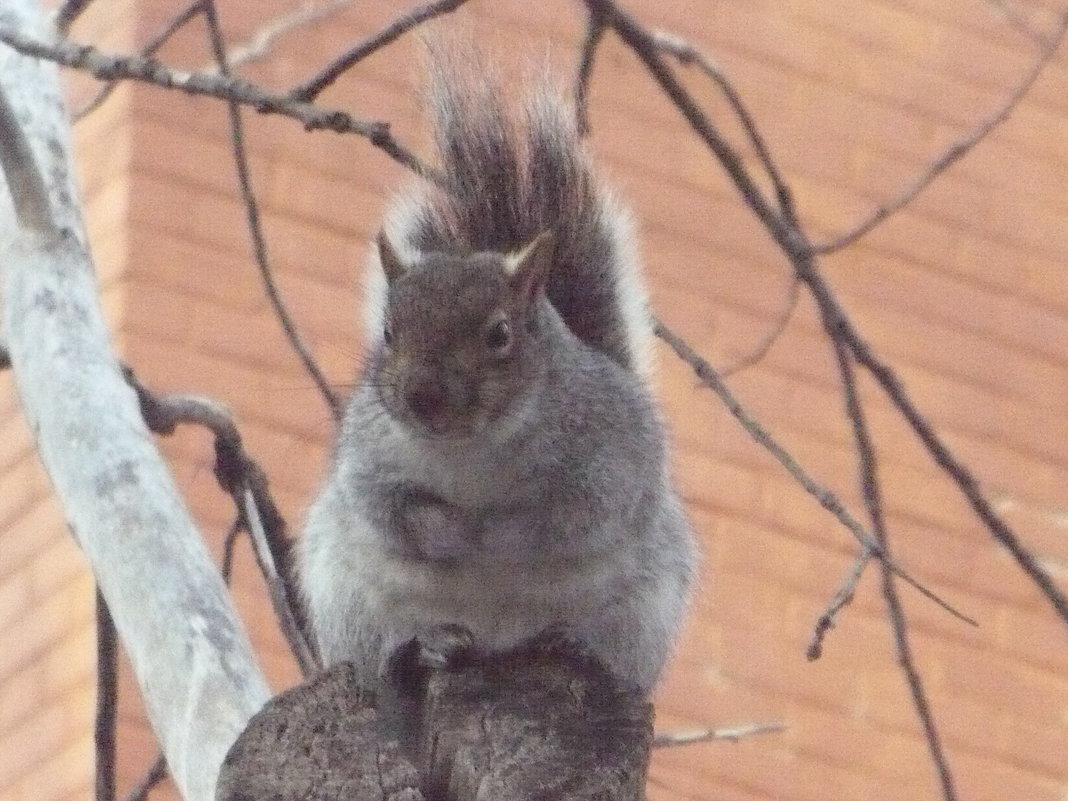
(1017, 21)
(67, 13)
(595, 29)
(176, 24)
(957, 150)
(259, 242)
(645, 47)
(690, 55)
(771, 337)
(793, 242)
(842, 598)
(107, 696)
(229, 543)
(150, 70)
(276, 587)
(259, 44)
(732, 734)
(239, 476)
(311, 88)
(155, 774)
(960, 474)
(707, 375)
(868, 463)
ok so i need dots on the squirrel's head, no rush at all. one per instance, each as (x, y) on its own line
(461, 341)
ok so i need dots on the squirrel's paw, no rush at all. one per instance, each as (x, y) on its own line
(445, 646)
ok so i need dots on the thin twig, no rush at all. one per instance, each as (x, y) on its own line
(595, 29)
(238, 475)
(707, 375)
(5, 357)
(67, 13)
(311, 88)
(771, 337)
(1018, 22)
(149, 70)
(155, 774)
(842, 598)
(259, 44)
(732, 734)
(107, 697)
(645, 47)
(155, 43)
(276, 587)
(955, 151)
(788, 234)
(686, 53)
(229, 544)
(255, 228)
(868, 464)
(961, 475)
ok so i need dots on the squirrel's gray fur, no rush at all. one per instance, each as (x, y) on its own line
(510, 478)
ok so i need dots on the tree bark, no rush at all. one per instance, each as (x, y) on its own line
(535, 724)
(191, 658)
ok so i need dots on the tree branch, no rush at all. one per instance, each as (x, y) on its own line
(145, 69)
(244, 480)
(955, 151)
(595, 29)
(176, 24)
(259, 242)
(29, 194)
(259, 44)
(772, 335)
(200, 682)
(868, 464)
(154, 775)
(841, 599)
(1017, 21)
(788, 234)
(686, 53)
(311, 88)
(276, 587)
(707, 375)
(732, 734)
(67, 13)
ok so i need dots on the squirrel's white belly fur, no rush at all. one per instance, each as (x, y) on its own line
(368, 600)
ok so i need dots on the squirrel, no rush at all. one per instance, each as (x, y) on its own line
(500, 465)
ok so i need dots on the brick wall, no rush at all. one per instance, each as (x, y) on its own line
(964, 292)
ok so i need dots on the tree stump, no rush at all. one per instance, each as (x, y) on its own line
(538, 723)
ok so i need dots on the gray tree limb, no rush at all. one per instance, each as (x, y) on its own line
(191, 658)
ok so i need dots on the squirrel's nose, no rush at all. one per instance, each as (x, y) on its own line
(426, 400)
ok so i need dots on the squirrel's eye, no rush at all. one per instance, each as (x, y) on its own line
(499, 336)
(387, 335)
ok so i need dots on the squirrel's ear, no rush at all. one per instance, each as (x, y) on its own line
(392, 266)
(529, 266)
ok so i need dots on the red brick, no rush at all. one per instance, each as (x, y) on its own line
(68, 774)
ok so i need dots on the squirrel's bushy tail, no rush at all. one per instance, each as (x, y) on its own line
(511, 173)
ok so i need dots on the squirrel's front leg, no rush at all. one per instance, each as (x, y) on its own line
(427, 527)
